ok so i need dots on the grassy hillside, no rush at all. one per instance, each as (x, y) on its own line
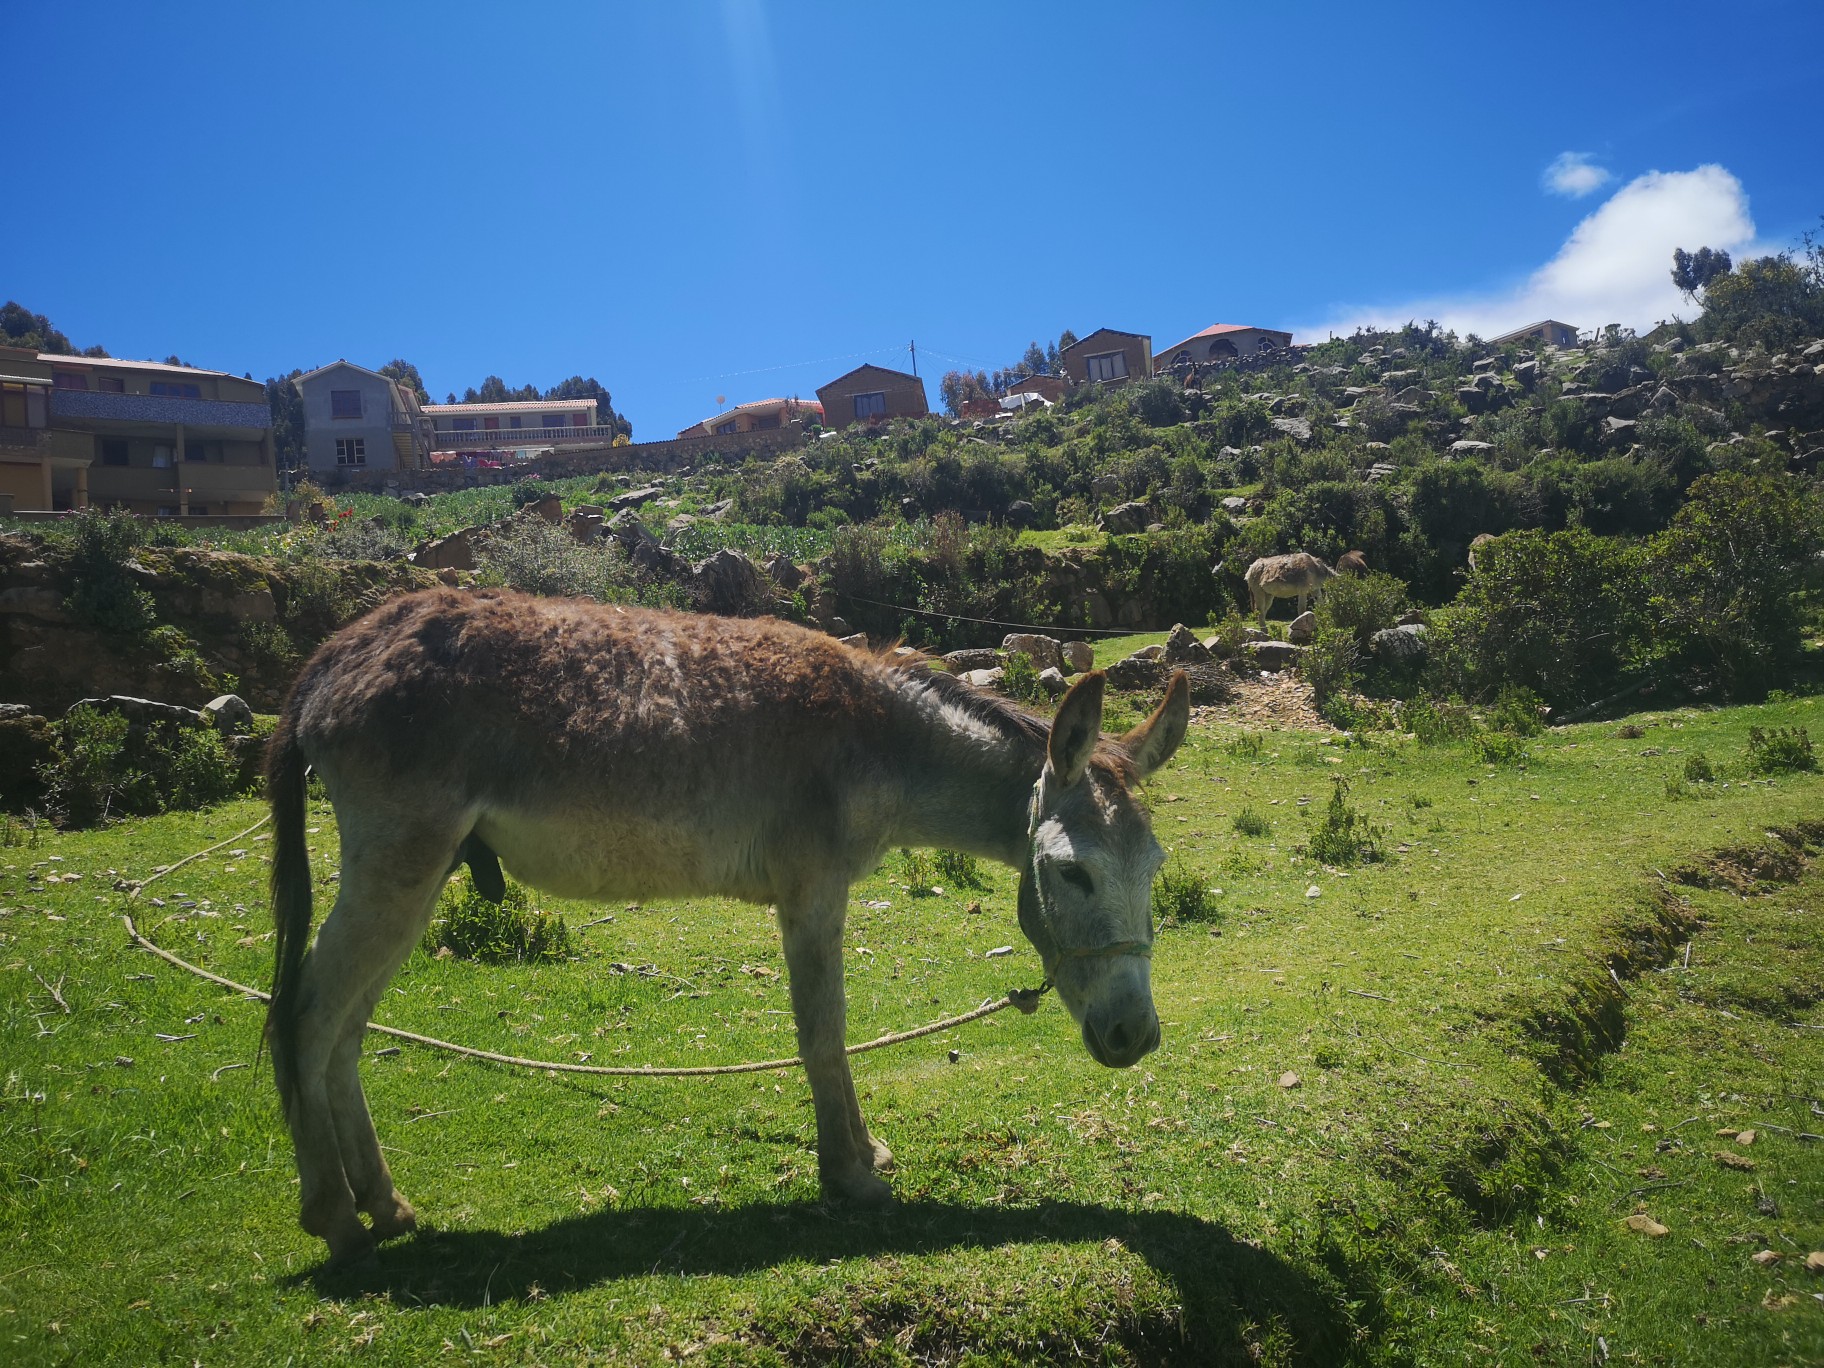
(1402, 1112)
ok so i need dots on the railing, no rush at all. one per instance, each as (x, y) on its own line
(158, 408)
(448, 439)
(21, 438)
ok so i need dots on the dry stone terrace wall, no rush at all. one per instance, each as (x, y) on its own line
(659, 457)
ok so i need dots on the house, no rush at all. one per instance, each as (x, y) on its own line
(870, 392)
(1109, 356)
(1047, 387)
(758, 415)
(359, 420)
(518, 427)
(155, 439)
(1225, 342)
(1549, 331)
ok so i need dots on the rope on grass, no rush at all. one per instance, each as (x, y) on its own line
(1026, 999)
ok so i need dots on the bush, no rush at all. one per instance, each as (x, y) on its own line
(1181, 897)
(106, 767)
(1433, 722)
(960, 868)
(1020, 679)
(1329, 666)
(535, 557)
(1784, 750)
(1500, 748)
(1698, 769)
(917, 874)
(1362, 604)
(508, 932)
(1251, 822)
(1517, 711)
(105, 596)
(1345, 837)
(1247, 746)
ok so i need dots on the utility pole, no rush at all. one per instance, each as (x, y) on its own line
(914, 356)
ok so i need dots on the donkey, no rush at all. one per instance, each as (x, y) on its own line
(620, 752)
(1298, 576)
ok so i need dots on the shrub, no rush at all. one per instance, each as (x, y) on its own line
(511, 931)
(960, 868)
(1251, 822)
(1784, 750)
(1517, 710)
(1698, 769)
(536, 557)
(1500, 748)
(1362, 604)
(1329, 665)
(1020, 679)
(1182, 897)
(105, 596)
(917, 873)
(1247, 746)
(1345, 836)
(105, 767)
(1433, 721)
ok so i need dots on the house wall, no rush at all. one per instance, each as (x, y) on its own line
(905, 397)
(1050, 387)
(1137, 350)
(1246, 342)
(374, 426)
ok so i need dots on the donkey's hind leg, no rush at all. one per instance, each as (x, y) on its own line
(386, 894)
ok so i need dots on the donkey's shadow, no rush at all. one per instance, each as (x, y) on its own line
(1223, 1283)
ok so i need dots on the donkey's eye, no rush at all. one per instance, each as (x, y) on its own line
(1077, 877)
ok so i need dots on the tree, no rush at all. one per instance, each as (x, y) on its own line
(1691, 271)
(287, 405)
(20, 327)
(1066, 339)
(958, 387)
(407, 374)
(1773, 300)
(1034, 362)
(577, 387)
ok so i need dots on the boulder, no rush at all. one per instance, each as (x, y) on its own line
(1469, 448)
(859, 640)
(1234, 504)
(785, 572)
(1079, 656)
(1399, 648)
(44, 604)
(550, 509)
(1052, 681)
(229, 715)
(1303, 629)
(27, 744)
(1617, 430)
(1125, 518)
(1047, 653)
(454, 552)
(1274, 655)
(1136, 672)
(1183, 648)
(1298, 429)
(1021, 513)
(984, 679)
(141, 711)
(1527, 373)
(974, 658)
(633, 498)
(729, 583)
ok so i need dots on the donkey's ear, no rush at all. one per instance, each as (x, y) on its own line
(1076, 729)
(1155, 740)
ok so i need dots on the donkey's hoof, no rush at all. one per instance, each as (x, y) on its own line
(347, 1251)
(883, 1157)
(865, 1190)
(392, 1217)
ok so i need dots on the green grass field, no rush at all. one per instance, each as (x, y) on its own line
(1402, 1113)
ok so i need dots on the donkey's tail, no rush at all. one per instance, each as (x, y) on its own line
(285, 779)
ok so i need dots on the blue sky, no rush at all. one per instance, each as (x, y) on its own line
(688, 200)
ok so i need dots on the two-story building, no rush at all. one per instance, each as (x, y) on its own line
(1548, 331)
(1108, 356)
(871, 392)
(358, 420)
(151, 438)
(1225, 342)
(758, 415)
(520, 428)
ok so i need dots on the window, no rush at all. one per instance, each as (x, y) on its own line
(161, 457)
(70, 380)
(725, 429)
(462, 425)
(345, 403)
(110, 384)
(351, 451)
(172, 389)
(766, 422)
(114, 451)
(578, 420)
(871, 405)
(1108, 366)
(22, 406)
(491, 424)
(514, 421)
(199, 510)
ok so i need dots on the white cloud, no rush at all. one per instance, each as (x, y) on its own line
(1574, 175)
(1614, 268)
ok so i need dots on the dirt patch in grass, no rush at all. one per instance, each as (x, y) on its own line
(1281, 701)
(1744, 870)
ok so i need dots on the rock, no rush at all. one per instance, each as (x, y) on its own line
(141, 710)
(1153, 652)
(1617, 430)
(1469, 448)
(1079, 656)
(586, 527)
(984, 679)
(859, 640)
(550, 509)
(1052, 681)
(784, 571)
(27, 744)
(633, 498)
(717, 511)
(1527, 373)
(44, 604)
(1298, 429)
(1021, 513)
(973, 658)
(1234, 504)
(229, 715)
(1412, 617)
(1183, 648)
(1472, 398)
(1274, 655)
(730, 584)
(1136, 672)
(454, 552)
(626, 528)
(1399, 647)
(1125, 518)
(1303, 629)
(1047, 653)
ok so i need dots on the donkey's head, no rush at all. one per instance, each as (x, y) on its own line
(1086, 887)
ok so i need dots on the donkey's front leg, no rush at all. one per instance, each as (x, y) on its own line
(847, 1156)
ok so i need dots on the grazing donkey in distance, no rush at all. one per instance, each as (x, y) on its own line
(1298, 576)
(617, 752)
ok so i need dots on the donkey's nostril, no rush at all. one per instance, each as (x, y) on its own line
(1115, 1039)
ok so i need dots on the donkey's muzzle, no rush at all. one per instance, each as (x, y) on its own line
(1121, 1039)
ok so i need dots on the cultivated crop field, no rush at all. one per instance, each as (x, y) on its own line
(1403, 1113)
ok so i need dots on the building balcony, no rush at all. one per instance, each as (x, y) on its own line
(22, 441)
(92, 406)
(494, 438)
(207, 481)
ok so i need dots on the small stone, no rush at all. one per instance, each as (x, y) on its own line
(1766, 1258)
(1642, 1224)
(1814, 1261)
(1288, 1079)
(1313, 891)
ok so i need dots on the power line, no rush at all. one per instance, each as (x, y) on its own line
(793, 365)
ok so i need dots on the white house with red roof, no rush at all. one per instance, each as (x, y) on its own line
(1224, 342)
